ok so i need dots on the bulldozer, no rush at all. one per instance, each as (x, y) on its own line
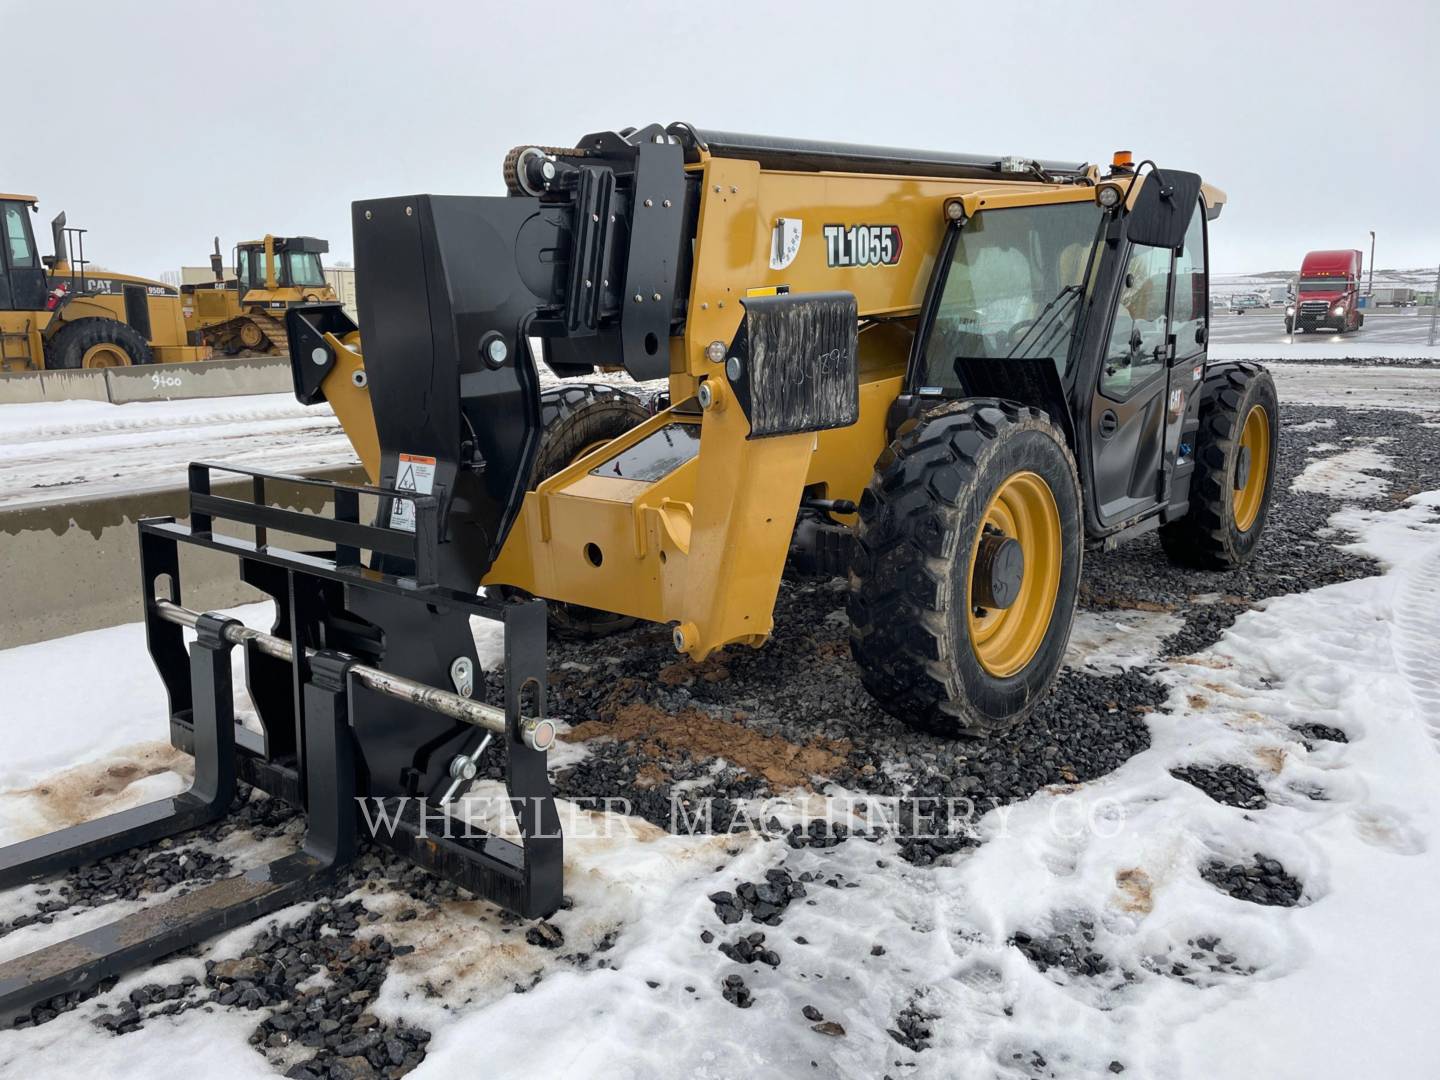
(247, 313)
(57, 312)
(942, 376)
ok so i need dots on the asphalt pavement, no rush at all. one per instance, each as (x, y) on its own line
(1408, 326)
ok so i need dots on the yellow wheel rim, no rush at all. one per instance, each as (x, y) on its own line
(250, 335)
(105, 355)
(1006, 639)
(1255, 437)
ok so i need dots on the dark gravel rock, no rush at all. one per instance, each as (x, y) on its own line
(764, 901)
(750, 949)
(1265, 881)
(1233, 785)
(912, 1027)
(1071, 949)
(1320, 733)
(734, 990)
(129, 876)
(546, 935)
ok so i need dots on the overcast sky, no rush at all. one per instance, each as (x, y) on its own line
(158, 125)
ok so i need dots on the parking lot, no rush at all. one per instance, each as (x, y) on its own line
(1409, 326)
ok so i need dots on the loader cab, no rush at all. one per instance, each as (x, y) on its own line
(282, 268)
(22, 273)
(1081, 310)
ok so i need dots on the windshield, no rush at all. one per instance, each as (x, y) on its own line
(1334, 284)
(1013, 287)
(303, 268)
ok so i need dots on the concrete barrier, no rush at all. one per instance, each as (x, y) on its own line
(209, 378)
(28, 387)
(74, 565)
(151, 382)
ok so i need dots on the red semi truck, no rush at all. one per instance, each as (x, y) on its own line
(1328, 293)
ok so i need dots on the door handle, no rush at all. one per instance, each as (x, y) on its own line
(1109, 423)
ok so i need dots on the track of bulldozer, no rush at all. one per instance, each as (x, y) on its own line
(274, 330)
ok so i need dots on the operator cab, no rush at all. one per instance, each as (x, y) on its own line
(1060, 302)
(22, 273)
(289, 263)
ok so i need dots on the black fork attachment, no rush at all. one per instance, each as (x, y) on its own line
(357, 697)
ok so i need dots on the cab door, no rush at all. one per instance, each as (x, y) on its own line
(24, 288)
(1127, 416)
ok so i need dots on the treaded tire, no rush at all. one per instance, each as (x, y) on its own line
(1207, 537)
(67, 348)
(910, 573)
(575, 416)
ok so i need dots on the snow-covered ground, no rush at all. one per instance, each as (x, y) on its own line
(75, 449)
(1194, 982)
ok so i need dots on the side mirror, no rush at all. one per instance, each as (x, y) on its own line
(1163, 208)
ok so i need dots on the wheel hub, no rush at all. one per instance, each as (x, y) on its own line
(999, 571)
(1252, 467)
(1242, 468)
(1014, 574)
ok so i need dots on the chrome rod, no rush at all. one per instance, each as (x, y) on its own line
(538, 733)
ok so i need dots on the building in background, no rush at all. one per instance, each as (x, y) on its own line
(340, 278)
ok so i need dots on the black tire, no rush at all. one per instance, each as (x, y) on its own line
(67, 348)
(576, 416)
(910, 581)
(1209, 537)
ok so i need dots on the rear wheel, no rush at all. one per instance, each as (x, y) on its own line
(577, 418)
(1235, 453)
(96, 343)
(966, 567)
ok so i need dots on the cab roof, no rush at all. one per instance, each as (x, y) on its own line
(18, 198)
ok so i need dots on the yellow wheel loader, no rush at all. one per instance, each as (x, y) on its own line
(942, 375)
(57, 312)
(247, 313)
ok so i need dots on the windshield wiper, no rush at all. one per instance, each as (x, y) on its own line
(1044, 322)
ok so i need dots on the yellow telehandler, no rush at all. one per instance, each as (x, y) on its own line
(941, 375)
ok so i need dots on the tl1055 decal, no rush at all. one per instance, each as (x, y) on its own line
(862, 245)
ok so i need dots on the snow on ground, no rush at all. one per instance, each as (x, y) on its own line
(1340, 987)
(1347, 474)
(87, 448)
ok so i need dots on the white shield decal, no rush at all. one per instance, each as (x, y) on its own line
(784, 242)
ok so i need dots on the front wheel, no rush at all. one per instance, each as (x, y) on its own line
(97, 343)
(966, 567)
(1230, 491)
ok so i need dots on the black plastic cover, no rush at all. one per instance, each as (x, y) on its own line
(797, 360)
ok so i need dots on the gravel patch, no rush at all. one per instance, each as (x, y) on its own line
(1265, 881)
(1233, 785)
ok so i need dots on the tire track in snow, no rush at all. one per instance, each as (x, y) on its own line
(1417, 622)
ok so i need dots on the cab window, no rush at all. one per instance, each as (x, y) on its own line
(1013, 287)
(1136, 349)
(18, 246)
(1191, 291)
(303, 268)
(242, 267)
